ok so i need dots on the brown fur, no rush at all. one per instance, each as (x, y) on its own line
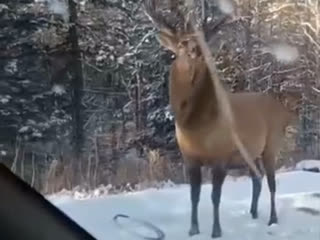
(202, 132)
(210, 133)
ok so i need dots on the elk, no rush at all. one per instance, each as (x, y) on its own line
(202, 131)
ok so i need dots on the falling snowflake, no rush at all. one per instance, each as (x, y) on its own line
(226, 6)
(58, 89)
(283, 52)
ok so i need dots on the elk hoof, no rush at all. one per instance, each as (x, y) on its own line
(254, 214)
(194, 230)
(273, 220)
(216, 233)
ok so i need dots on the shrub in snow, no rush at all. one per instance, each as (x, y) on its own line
(308, 165)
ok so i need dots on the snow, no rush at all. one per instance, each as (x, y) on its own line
(59, 7)
(24, 129)
(3, 7)
(169, 209)
(316, 89)
(308, 164)
(12, 66)
(120, 60)
(4, 99)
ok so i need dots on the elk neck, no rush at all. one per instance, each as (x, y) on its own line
(192, 94)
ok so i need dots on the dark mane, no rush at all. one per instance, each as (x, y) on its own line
(193, 100)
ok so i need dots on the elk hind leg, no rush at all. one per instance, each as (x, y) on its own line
(269, 165)
(256, 190)
(218, 176)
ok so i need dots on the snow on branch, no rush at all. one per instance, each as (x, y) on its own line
(59, 7)
(58, 89)
(316, 90)
(312, 40)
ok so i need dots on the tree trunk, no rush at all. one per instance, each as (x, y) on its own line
(77, 82)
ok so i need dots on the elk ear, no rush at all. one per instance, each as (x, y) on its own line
(168, 40)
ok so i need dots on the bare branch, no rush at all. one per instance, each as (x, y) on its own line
(291, 5)
(316, 90)
(306, 24)
(311, 38)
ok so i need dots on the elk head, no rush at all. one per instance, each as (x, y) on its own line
(180, 38)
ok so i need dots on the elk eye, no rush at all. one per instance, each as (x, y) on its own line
(196, 51)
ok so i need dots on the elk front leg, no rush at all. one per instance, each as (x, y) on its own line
(195, 183)
(218, 176)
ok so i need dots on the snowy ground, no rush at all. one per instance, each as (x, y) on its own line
(308, 164)
(169, 209)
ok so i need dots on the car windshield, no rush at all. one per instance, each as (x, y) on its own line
(146, 119)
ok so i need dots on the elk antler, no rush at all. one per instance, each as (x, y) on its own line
(182, 24)
(157, 19)
(179, 24)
